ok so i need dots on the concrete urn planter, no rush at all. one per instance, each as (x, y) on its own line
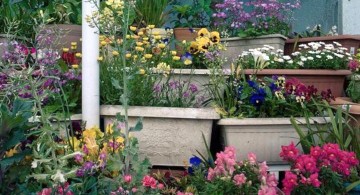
(236, 45)
(263, 136)
(169, 136)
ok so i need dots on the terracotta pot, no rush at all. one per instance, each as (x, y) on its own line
(321, 79)
(351, 42)
(236, 45)
(64, 35)
(354, 109)
(187, 34)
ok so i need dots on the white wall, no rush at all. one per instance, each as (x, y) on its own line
(349, 17)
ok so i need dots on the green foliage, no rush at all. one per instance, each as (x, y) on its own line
(195, 14)
(353, 89)
(62, 11)
(151, 12)
(336, 130)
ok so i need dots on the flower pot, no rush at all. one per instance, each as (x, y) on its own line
(169, 136)
(187, 34)
(354, 109)
(321, 79)
(63, 35)
(200, 77)
(236, 45)
(351, 42)
(263, 136)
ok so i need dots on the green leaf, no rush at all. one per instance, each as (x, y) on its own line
(352, 185)
(15, 138)
(16, 158)
(116, 83)
(138, 126)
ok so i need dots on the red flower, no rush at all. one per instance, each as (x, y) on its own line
(289, 153)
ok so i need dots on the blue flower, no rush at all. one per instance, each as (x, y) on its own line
(258, 98)
(195, 161)
(273, 87)
(252, 84)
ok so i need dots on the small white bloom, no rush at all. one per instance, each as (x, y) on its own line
(337, 44)
(296, 53)
(318, 56)
(290, 61)
(303, 59)
(280, 60)
(58, 177)
(300, 63)
(279, 51)
(287, 57)
(34, 164)
(310, 58)
(329, 57)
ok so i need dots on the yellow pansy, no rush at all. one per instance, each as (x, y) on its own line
(187, 62)
(215, 37)
(194, 47)
(203, 33)
(91, 145)
(204, 43)
(75, 143)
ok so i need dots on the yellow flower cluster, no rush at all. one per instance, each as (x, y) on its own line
(105, 18)
(204, 40)
(94, 142)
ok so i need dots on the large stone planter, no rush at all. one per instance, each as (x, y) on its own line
(263, 136)
(351, 42)
(236, 45)
(200, 77)
(321, 79)
(169, 136)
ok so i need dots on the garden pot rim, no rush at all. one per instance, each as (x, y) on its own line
(299, 72)
(186, 71)
(323, 38)
(162, 112)
(258, 37)
(267, 121)
(344, 102)
(73, 117)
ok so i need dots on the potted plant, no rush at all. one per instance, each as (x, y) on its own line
(169, 106)
(351, 42)
(256, 112)
(64, 21)
(249, 25)
(319, 64)
(189, 17)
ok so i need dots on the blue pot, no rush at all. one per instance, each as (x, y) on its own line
(354, 191)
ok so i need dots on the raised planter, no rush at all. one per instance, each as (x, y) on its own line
(64, 34)
(354, 109)
(200, 77)
(169, 136)
(263, 136)
(236, 45)
(351, 42)
(321, 79)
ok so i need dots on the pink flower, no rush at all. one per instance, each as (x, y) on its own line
(239, 179)
(211, 174)
(271, 180)
(353, 65)
(265, 190)
(314, 180)
(252, 158)
(134, 190)
(182, 193)
(289, 153)
(263, 168)
(149, 181)
(316, 152)
(160, 186)
(127, 178)
(289, 182)
(45, 191)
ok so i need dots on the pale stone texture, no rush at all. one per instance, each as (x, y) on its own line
(263, 136)
(235, 45)
(170, 136)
